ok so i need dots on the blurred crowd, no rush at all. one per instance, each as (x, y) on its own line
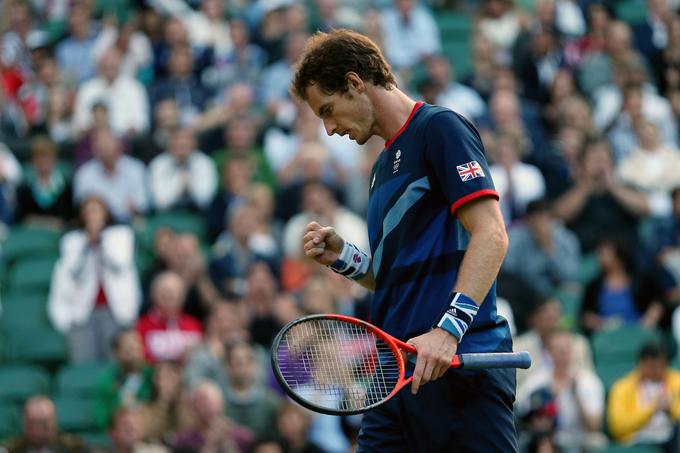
(114, 114)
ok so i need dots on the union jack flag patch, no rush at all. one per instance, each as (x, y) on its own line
(471, 170)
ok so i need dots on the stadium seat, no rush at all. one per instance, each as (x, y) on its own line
(19, 382)
(615, 351)
(633, 12)
(29, 310)
(96, 439)
(45, 347)
(628, 449)
(182, 222)
(10, 420)
(23, 242)
(588, 268)
(80, 380)
(75, 414)
(32, 274)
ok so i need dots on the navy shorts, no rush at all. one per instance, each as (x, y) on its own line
(463, 411)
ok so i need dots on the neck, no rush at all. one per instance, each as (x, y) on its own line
(392, 109)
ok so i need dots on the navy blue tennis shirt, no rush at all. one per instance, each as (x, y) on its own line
(433, 166)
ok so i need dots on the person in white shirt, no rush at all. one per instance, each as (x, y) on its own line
(125, 98)
(118, 179)
(454, 95)
(182, 176)
(135, 45)
(95, 287)
(410, 33)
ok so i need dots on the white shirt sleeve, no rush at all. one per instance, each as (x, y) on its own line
(165, 182)
(203, 182)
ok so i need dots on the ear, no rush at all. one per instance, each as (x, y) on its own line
(354, 81)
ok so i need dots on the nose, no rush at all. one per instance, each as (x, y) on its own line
(329, 126)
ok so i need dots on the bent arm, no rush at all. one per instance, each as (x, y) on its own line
(488, 243)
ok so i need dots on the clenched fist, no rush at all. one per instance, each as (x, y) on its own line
(322, 244)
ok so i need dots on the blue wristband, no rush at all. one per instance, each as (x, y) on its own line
(459, 315)
(352, 262)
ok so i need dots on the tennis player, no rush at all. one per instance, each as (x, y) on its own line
(437, 241)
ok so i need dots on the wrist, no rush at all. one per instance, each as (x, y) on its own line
(458, 315)
(351, 263)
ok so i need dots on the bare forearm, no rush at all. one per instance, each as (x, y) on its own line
(481, 263)
(634, 201)
(571, 203)
(368, 281)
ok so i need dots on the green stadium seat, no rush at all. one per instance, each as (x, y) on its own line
(181, 222)
(633, 12)
(31, 274)
(615, 351)
(10, 420)
(588, 268)
(28, 310)
(628, 449)
(96, 439)
(23, 242)
(75, 414)
(45, 347)
(19, 382)
(80, 380)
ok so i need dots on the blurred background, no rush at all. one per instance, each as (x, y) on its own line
(156, 178)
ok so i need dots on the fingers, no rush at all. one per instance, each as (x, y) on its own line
(417, 374)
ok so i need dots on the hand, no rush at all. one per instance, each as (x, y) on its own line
(322, 244)
(435, 353)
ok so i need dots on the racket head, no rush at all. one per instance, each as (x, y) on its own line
(337, 365)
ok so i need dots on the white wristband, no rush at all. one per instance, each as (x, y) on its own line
(352, 262)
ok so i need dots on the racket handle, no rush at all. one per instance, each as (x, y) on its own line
(474, 361)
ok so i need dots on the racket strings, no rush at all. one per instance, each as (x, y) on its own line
(337, 365)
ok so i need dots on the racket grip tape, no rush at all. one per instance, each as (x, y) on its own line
(475, 361)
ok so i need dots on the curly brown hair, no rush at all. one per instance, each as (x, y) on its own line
(330, 56)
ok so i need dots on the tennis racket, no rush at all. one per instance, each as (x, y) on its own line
(341, 365)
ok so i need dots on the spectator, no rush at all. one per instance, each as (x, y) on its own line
(95, 288)
(212, 430)
(166, 412)
(259, 299)
(598, 204)
(10, 177)
(118, 179)
(127, 434)
(182, 177)
(225, 325)
(45, 196)
(41, 432)
(83, 150)
(293, 423)
(594, 41)
(410, 34)
(134, 46)
(537, 66)
(579, 396)
(665, 246)
(620, 294)
(165, 121)
(249, 402)
(517, 183)
(544, 253)
(124, 97)
(75, 54)
(319, 204)
(544, 321)
(128, 383)
(181, 85)
(652, 167)
(500, 23)
(644, 406)
(167, 332)
(454, 95)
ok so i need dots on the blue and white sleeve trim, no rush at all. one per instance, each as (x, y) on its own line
(352, 262)
(459, 315)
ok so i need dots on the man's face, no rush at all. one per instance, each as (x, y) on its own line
(652, 369)
(348, 113)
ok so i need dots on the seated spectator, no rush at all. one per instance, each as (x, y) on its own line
(45, 196)
(125, 99)
(293, 422)
(212, 430)
(225, 325)
(499, 21)
(128, 383)
(166, 411)
(118, 179)
(544, 253)
(127, 434)
(598, 204)
(620, 294)
(259, 299)
(10, 177)
(249, 402)
(451, 94)
(320, 205)
(167, 332)
(578, 392)
(644, 406)
(182, 177)
(41, 431)
(652, 167)
(134, 45)
(517, 183)
(75, 53)
(95, 288)
(165, 121)
(83, 149)
(544, 321)
(237, 248)
(665, 247)
(181, 253)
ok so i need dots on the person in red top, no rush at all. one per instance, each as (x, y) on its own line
(167, 332)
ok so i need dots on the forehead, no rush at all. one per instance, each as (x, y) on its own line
(317, 98)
